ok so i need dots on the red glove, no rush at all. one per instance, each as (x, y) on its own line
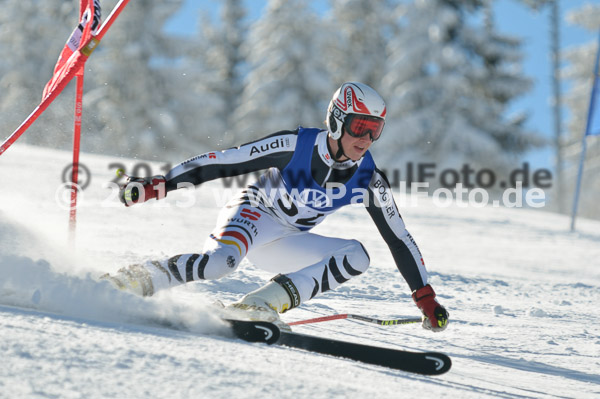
(140, 189)
(435, 316)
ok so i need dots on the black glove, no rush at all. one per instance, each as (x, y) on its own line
(435, 316)
(140, 189)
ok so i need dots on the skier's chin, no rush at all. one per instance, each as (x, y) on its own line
(357, 154)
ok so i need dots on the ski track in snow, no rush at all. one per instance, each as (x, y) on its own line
(522, 292)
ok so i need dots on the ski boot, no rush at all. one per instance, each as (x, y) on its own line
(134, 279)
(263, 304)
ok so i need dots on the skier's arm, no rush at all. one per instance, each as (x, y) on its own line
(384, 212)
(275, 150)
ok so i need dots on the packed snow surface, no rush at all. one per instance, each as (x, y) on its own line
(522, 292)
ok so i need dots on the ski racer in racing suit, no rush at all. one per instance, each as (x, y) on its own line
(310, 173)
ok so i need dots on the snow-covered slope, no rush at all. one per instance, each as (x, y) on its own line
(522, 292)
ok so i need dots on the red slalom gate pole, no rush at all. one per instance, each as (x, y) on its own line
(86, 51)
(76, 148)
(30, 119)
(110, 20)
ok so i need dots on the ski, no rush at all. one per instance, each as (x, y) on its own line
(428, 363)
(255, 331)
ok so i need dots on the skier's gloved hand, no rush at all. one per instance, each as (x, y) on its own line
(142, 189)
(435, 316)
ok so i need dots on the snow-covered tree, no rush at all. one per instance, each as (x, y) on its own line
(579, 71)
(450, 79)
(287, 84)
(32, 34)
(357, 33)
(558, 197)
(227, 58)
(213, 68)
(131, 84)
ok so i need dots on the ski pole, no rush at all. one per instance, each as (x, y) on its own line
(319, 319)
(389, 322)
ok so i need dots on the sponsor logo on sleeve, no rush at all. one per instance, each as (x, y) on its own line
(277, 143)
(381, 190)
(386, 198)
(202, 156)
(249, 214)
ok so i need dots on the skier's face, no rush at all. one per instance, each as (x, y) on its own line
(355, 147)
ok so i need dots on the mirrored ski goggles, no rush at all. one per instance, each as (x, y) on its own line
(361, 125)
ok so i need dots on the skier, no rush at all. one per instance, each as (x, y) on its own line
(311, 173)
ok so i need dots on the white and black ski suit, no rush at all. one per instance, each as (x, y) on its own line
(270, 221)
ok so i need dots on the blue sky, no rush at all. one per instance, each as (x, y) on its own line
(533, 27)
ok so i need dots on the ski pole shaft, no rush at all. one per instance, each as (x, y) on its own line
(320, 319)
(389, 322)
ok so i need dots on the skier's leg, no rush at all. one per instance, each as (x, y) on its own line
(239, 228)
(332, 261)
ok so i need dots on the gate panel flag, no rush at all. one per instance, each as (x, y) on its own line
(71, 62)
(70, 57)
(593, 122)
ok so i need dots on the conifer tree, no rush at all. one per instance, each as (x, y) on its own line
(287, 83)
(450, 82)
